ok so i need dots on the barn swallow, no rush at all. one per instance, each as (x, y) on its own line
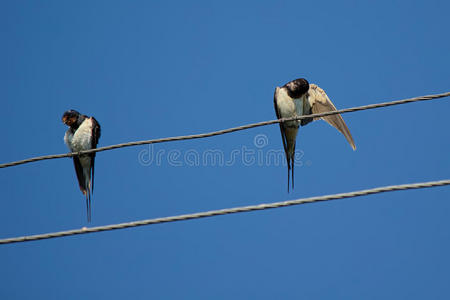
(83, 134)
(298, 98)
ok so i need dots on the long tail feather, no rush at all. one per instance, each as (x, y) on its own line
(87, 208)
(292, 163)
(289, 172)
(88, 201)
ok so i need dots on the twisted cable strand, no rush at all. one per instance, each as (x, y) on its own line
(227, 211)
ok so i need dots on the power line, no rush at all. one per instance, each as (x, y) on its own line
(224, 131)
(226, 211)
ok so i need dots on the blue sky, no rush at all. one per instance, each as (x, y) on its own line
(150, 69)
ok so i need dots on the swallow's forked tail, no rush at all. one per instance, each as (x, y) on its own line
(291, 135)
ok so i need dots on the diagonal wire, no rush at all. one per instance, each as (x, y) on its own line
(226, 211)
(224, 131)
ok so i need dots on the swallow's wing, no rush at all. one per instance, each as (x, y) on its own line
(96, 131)
(80, 174)
(284, 139)
(68, 137)
(283, 133)
(319, 102)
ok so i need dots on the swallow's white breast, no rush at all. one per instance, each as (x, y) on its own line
(286, 106)
(289, 107)
(81, 139)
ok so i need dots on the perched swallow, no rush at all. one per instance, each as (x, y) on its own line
(298, 98)
(83, 134)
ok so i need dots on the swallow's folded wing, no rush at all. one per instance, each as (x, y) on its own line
(320, 103)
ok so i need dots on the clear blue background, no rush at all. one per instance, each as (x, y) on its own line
(150, 69)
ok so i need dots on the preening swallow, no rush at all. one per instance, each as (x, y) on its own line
(83, 134)
(298, 98)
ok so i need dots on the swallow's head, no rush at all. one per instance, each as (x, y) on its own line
(70, 117)
(297, 88)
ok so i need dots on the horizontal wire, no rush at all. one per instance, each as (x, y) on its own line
(226, 211)
(224, 131)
